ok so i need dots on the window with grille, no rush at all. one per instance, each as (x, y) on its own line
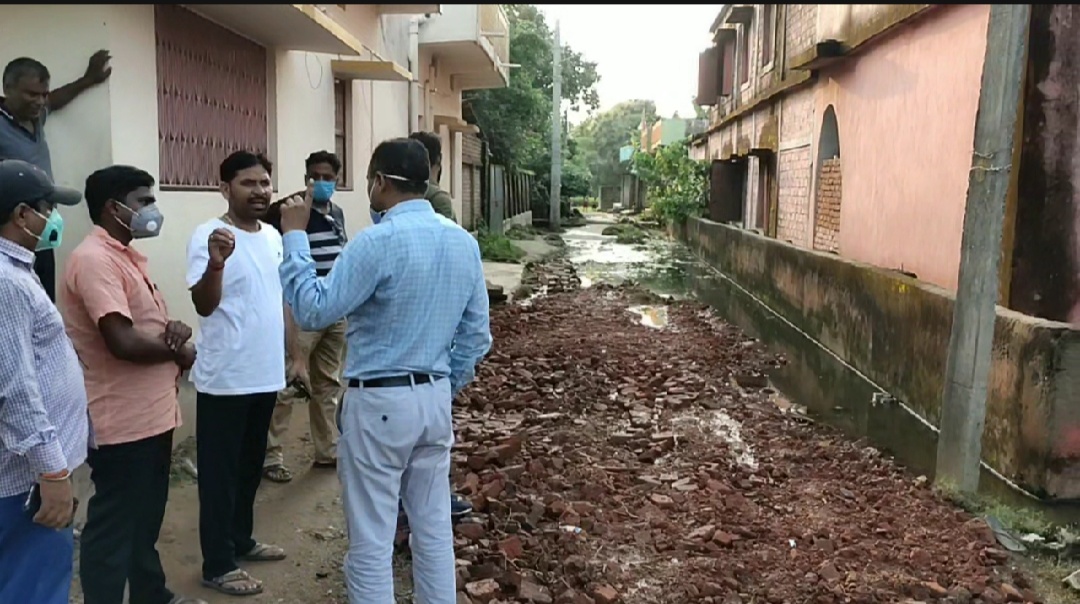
(212, 97)
(342, 106)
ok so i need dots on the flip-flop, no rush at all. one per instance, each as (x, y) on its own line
(178, 599)
(325, 464)
(263, 552)
(229, 584)
(277, 473)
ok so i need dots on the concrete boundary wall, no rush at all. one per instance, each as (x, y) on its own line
(895, 330)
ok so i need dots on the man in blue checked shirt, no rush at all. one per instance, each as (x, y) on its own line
(412, 288)
(43, 422)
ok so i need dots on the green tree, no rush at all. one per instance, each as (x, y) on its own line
(516, 121)
(602, 135)
(576, 176)
(677, 184)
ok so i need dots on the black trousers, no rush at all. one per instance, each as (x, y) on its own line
(119, 542)
(230, 433)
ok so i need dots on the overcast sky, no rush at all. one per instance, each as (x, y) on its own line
(645, 51)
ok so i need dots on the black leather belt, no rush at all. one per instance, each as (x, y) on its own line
(397, 381)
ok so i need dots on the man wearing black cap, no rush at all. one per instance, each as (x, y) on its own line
(43, 421)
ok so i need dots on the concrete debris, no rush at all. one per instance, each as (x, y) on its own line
(590, 486)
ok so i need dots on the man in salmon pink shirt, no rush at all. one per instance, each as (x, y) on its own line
(132, 355)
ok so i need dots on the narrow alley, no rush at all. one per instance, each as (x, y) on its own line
(620, 446)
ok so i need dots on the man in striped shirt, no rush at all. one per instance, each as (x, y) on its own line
(315, 356)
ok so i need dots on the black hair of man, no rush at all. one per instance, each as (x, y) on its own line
(22, 67)
(405, 158)
(324, 157)
(242, 160)
(114, 182)
(432, 143)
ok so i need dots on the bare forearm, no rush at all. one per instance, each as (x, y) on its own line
(65, 94)
(292, 335)
(141, 349)
(206, 295)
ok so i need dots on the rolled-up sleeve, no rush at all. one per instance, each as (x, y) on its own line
(472, 339)
(25, 428)
(317, 303)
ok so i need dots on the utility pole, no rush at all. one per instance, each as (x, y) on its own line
(556, 132)
(968, 367)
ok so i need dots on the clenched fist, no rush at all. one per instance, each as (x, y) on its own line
(221, 245)
(296, 211)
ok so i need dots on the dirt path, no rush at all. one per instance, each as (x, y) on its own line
(610, 461)
(303, 516)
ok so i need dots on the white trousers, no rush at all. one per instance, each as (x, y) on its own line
(396, 441)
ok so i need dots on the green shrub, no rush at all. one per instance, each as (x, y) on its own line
(498, 248)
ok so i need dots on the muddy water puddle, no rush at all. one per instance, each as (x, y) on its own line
(813, 380)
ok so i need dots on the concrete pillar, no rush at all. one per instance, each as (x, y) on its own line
(455, 181)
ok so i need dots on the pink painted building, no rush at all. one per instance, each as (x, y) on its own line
(846, 128)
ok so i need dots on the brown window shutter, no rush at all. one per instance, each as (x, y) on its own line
(212, 97)
(727, 81)
(708, 74)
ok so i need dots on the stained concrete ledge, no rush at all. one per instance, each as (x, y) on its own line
(896, 330)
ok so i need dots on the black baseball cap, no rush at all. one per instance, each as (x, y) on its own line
(23, 182)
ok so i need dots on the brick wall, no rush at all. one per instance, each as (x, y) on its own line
(827, 220)
(801, 28)
(797, 119)
(470, 149)
(794, 166)
(793, 201)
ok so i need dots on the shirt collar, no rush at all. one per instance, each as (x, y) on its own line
(413, 205)
(16, 252)
(103, 236)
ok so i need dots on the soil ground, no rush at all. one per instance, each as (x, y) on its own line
(611, 460)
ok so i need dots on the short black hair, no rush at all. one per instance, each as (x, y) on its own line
(114, 182)
(323, 157)
(242, 160)
(403, 157)
(19, 68)
(432, 143)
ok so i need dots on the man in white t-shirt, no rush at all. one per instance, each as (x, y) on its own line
(232, 271)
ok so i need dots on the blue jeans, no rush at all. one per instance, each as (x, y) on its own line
(35, 561)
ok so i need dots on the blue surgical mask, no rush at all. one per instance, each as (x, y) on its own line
(322, 191)
(376, 217)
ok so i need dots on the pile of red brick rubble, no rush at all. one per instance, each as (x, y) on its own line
(609, 461)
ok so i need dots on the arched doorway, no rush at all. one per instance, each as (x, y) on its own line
(829, 192)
